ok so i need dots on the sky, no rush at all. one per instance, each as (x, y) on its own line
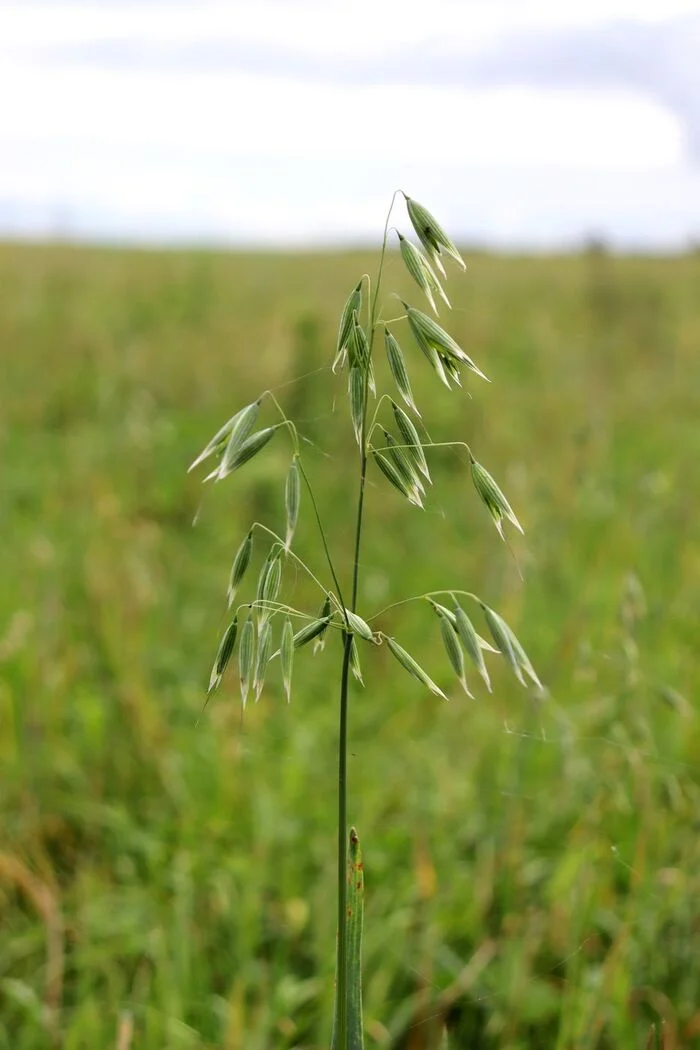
(519, 123)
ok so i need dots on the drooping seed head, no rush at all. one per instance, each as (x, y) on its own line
(442, 610)
(223, 655)
(404, 463)
(222, 437)
(486, 646)
(492, 497)
(359, 626)
(292, 497)
(454, 652)
(355, 662)
(262, 657)
(310, 631)
(445, 369)
(519, 653)
(271, 585)
(428, 334)
(287, 656)
(352, 307)
(246, 652)
(241, 562)
(269, 582)
(358, 347)
(324, 614)
(431, 234)
(359, 353)
(240, 433)
(397, 365)
(501, 634)
(450, 642)
(414, 448)
(245, 452)
(357, 402)
(451, 369)
(470, 640)
(413, 668)
(391, 474)
(421, 271)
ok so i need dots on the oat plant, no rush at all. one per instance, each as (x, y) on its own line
(265, 632)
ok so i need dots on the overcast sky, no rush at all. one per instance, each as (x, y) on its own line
(292, 121)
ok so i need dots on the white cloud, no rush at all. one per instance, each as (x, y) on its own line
(178, 151)
(249, 115)
(339, 28)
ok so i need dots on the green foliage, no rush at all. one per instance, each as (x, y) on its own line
(533, 869)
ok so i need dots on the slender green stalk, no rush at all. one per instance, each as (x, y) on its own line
(421, 598)
(290, 553)
(373, 312)
(341, 991)
(342, 961)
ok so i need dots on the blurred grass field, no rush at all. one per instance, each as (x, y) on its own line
(532, 869)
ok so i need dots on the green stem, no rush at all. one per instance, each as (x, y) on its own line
(373, 313)
(428, 444)
(295, 438)
(420, 598)
(290, 554)
(322, 532)
(342, 962)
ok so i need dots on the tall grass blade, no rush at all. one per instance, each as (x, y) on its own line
(355, 907)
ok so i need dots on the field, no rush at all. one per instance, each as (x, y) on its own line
(532, 867)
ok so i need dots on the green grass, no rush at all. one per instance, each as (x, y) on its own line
(531, 871)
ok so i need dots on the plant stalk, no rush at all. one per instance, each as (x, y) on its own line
(341, 1019)
(342, 962)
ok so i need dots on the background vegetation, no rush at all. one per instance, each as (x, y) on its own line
(532, 870)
